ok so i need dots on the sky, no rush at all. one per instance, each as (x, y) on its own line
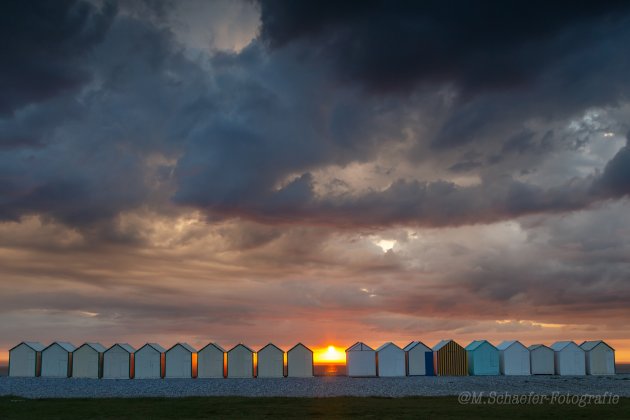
(320, 172)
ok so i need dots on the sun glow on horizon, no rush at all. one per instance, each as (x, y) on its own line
(328, 355)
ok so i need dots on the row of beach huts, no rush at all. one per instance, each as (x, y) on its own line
(152, 361)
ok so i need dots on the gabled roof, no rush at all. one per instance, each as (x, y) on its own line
(34, 345)
(508, 343)
(98, 347)
(536, 346)
(476, 344)
(561, 345)
(187, 346)
(590, 345)
(126, 347)
(389, 343)
(240, 345)
(298, 345)
(215, 345)
(359, 346)
(271, 345)
(442, 344)
(414, 344)
(69, 347)
(154, 346)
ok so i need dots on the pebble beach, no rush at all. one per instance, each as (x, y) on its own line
(333, 386)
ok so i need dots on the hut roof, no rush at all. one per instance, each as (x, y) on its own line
(414, 344)
(215, 345)
(69, 347)
(154, 346)
(34, 345)
(98, 347)
(442, 343)
(561, 345)
(123, 346)
(359, 346)
(476, 344)
(535, 346)
(298, 345)
(187, 346)
(508, 343)
(271, 345)
(389, 343)
(240, 345)
(590, 345)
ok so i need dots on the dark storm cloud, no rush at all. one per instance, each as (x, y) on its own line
(43, 44)
(615, 180)
(86, 158)
(243, 134)
(508, 61)
(394, 44)
(429, 204)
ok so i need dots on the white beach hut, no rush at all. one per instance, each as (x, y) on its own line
(541, 360)
(118, 361)
(87, 361)
(149, 362)
(270, 362)
(25, 359)
(180, 361)
(483, 358)
(57, 360)
(514, 358)
(600, 358)
(569, 358)
(210, 361)
(240, 362)
(390, 360)
(299, 361)
(419, 359)
(361, 360)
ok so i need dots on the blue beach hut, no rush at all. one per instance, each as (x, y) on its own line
(483, 358)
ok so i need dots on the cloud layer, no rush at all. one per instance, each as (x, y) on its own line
(157, 170)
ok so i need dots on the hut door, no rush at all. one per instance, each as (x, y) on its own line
(428, 363)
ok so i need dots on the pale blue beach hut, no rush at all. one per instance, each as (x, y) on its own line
(483, 358)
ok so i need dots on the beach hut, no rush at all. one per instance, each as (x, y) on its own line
(149, 362)
(600, 358)
(390, 360)
(299, 361)
(240, 362)
(541, 360)
(87, 361)
(210, 361)
(25, 359)
(419, 359)
(118, 361)
(57, 360)
(270, 362)
(569, 358)
(514, 358)
(483, 358)
(180, 360)
(450, 359)
(361, 360)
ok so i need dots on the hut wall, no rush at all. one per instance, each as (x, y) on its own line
(451, 360)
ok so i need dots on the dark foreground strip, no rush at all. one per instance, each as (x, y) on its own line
(341, 407)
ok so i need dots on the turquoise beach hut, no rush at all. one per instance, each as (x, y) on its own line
(483, 358)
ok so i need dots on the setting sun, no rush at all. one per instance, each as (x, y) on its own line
(330, 354)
